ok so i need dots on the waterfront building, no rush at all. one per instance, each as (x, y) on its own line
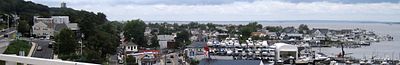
(285, 52)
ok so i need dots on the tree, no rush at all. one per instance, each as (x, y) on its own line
(66, 43)
(23, 27)
(182, 38)
(102, 44)
(154, 42)
(274, 28)
(134, 31)
(130, 60)
(249, 28)
(303, 28)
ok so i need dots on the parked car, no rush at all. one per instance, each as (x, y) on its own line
(5, 35)
(39, 48)
(51, 44)
(3, 30)
(47, 38)
(168, 60)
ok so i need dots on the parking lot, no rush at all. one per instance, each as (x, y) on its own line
(252, 50)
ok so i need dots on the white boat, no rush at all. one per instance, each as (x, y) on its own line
(229, 51)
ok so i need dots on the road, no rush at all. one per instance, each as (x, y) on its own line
(3, 40)
(174, 59)
(46, 52)
(3, 45)
(114, 58)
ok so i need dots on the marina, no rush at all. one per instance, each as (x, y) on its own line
(308, 51)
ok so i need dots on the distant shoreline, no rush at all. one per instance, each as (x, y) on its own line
(277, 21)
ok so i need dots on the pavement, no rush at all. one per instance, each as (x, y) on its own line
(3, 45)
(32, 49)
(46, 52)
(174, 59)
(4, 42)
(113, 60)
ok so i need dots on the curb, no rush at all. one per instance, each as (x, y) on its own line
(31, 51)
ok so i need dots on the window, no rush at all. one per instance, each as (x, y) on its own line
(131, 47)
(36, 28)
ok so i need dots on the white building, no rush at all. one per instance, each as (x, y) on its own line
(42, 29)
(164, 39)
(45, 27)
(131, 47)
(285, 51)
(60, 19)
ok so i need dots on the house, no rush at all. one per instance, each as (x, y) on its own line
(272, 35)
(319, 34)
(195, 49)
(47, 27)
(166, 40)
(289, 30)
(230, 62)
(131, 47)
(258, 34)
(295, 36)
(41, 29)
(148, 57)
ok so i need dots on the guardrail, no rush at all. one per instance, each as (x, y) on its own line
(38, 61)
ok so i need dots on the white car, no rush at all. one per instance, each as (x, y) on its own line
(229, 51)
(250, 44)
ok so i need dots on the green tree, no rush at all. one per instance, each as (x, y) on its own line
(274, 28)
(24, 27)
(154, 42)
(249, 28)
(303, 28)
(130, 60)
(183, 38)
(134, 31)
(103, 44)
(66, 43)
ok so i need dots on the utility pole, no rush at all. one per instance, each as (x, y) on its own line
(8, 20)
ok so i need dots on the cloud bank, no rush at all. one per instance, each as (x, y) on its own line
(239, 10)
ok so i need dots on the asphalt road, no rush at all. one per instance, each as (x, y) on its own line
(3, 42)
(3, 46)
(46, 52)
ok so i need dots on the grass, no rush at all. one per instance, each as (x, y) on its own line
(2, 62)
(18, 45)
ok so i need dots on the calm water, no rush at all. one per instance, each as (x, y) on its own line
(381, 49)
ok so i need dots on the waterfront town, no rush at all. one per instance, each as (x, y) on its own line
(41, 35)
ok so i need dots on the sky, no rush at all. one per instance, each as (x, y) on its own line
(238, 10)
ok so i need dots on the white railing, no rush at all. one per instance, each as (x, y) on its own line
(38, 61)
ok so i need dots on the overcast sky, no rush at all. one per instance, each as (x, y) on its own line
(238, 10)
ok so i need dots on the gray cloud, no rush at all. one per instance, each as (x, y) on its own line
(237, 10)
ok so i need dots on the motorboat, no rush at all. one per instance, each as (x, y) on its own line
(229, 52)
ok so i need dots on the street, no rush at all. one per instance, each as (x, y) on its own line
(46, 52)
(4, 42)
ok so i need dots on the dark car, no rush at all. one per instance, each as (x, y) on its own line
(51, 44)
(5, 36)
